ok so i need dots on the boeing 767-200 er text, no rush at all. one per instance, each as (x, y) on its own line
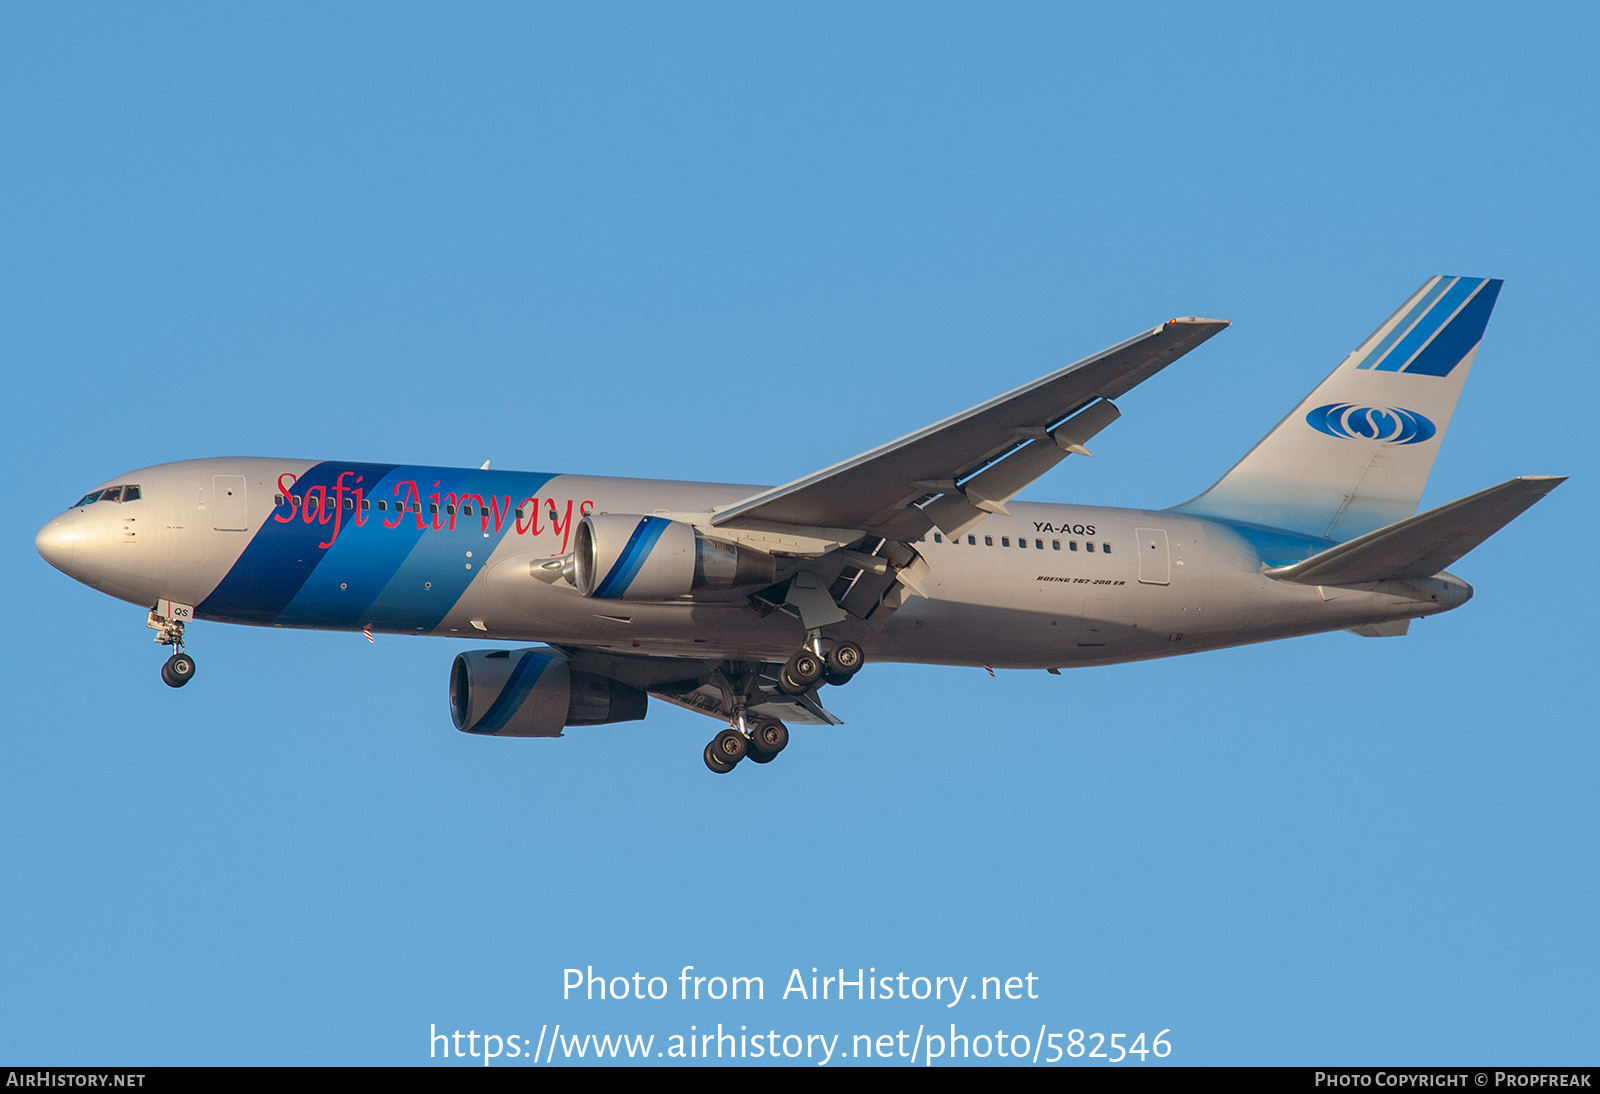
(741, 602)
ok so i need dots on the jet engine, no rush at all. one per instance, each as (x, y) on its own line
(534, 693)
(619, 556)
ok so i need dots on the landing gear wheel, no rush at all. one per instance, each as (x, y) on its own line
(844, 659)
(178, 670)
(715, 762)
(836, 679)
(730, 746)
(768, 737)
(801, 673)
(757, 756)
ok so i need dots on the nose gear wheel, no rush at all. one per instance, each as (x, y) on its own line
(178, 670)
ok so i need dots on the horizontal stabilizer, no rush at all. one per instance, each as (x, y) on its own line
(1422, 545)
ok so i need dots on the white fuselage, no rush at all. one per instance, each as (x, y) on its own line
(1045, 586)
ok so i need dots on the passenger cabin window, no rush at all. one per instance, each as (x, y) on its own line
(973, 540)
(383, 506)
(937, 538)
(1105, 548)
(1055, 545)
(1072, 545)
(1089, 547)
(988, 541)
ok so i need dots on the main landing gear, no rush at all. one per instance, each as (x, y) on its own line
(810, 666)
(179, 669)
(766, 738)
(760, 740)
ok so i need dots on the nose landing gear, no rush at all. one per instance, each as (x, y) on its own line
(179, 668)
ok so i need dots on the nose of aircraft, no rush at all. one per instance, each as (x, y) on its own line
(56, 541)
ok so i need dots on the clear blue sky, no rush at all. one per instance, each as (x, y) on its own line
(746, 241)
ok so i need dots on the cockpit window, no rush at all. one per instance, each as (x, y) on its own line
(111, 493)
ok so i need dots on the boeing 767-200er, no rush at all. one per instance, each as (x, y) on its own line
(741, 602)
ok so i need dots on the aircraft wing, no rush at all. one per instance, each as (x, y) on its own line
(972, 463)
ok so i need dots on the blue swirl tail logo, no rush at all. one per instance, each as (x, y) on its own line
(1371, 423)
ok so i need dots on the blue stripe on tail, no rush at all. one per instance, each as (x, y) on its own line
(1429, 325)
(1453, 343)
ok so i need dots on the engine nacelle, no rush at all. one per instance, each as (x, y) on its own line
(534, 693)
(619, 556)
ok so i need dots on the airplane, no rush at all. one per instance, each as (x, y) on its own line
(744, 602)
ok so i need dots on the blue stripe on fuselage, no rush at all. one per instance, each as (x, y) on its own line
(284, 576)
(282, 554)
(421, 591)
(359, 564)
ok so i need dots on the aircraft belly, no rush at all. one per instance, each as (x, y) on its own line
(679, 629)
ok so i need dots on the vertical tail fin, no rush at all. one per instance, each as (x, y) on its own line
(1355, 455)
